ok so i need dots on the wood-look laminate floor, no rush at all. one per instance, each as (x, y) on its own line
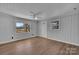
(38, 46)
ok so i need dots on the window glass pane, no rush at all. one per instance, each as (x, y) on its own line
(19, 24)
(22, 27)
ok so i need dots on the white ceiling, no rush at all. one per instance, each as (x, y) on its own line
(47, 10)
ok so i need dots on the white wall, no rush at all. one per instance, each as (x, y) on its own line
(68, 32)
(8, 26)
(42, 28)
(69, 29)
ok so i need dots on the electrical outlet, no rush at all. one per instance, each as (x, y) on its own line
(12, 37)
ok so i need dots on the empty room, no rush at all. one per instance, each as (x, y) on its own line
(39, 28)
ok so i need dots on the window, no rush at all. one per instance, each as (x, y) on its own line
(55, 24)
(19, 25)
(22, 27)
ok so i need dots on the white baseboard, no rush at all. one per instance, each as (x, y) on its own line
(63, 41)
(7, 41)
(12, 40)
(44, 37)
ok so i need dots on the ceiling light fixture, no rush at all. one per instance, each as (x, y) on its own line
(35, 18)
(34, 15)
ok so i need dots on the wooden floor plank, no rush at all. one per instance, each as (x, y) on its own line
(38, 46)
